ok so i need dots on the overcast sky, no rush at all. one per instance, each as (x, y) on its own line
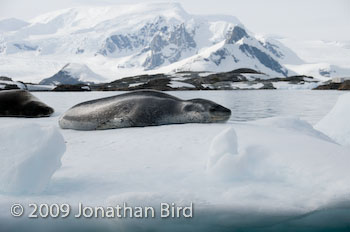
(307, 19)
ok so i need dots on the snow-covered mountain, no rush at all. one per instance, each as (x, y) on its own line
(124, 40)
(241, 49)
(325, 58)
(73, 74)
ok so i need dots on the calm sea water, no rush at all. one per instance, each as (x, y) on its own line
(310, 105)
(246, 105)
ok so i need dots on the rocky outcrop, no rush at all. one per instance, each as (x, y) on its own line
(268, 85)
(263, 58)
(3, 78)
(334, 86)
(131, 41)
(72, 88)
(235, 35)
(328, 86)
(200, 81)
(175, 41)
(161, 42)
(9, 87)
(238, 79)
(345, 85)
(295, 79)
(6, 83)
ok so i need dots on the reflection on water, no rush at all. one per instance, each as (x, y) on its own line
(256, 104)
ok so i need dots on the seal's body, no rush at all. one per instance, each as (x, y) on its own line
(21, 103)
(139, 109)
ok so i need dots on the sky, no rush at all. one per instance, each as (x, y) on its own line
(307, 19)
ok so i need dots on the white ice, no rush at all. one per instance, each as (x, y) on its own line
(279, 165)
(29, 155)
(336, 123)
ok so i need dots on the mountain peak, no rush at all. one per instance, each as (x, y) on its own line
(73, 73)
(236, 34)
(88, 16)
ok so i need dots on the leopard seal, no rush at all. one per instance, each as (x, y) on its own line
(139, 109)
(21, 103)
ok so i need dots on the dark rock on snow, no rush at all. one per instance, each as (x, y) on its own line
(74, 88)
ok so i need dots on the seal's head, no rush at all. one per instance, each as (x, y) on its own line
(37, 109)
(202, 110)
(21, 103)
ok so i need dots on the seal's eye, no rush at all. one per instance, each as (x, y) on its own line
(213, 109)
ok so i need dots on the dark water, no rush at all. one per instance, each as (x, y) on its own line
(310, 105)
(334, 219)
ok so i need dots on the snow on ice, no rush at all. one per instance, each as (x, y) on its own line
(283, 160)
(278, 166)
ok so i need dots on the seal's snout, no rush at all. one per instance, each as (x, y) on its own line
(220, 113)
(47, 111)
(42, 110)
(38, 109)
